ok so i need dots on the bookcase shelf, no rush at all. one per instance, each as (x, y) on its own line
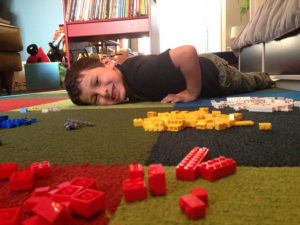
(79, 33)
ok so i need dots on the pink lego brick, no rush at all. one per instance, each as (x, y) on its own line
(53, 212)
(88, 202)
(157, 179)
(187, 169)
(136, 170)
(21, 180)
(10, 216)
(134, 189)
(201, 194)
(41, 170)
(35, 220)
(217, 168)
(64, 194)
(84, 182)
(7, 169)
(192, 206)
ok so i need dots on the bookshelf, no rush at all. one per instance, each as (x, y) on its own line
(79, 33)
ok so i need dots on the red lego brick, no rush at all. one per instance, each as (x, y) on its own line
(192, 206)
(10, 216)
(7, 169)
(61, 185)
(41, 191)
(35, 220)
(84, 182)
(30, 203)
(41, 170)
(53, 212)
(187, 169)
(136, 170)
(88, 202)
(157, 179)
(134, 189)
(21, 180)
(217, 168)
(201, 194)
(64, 194)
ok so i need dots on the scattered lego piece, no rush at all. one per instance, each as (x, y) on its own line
(21, 180)
(134, 189)
(136, 170)
(84, 182)
(41, 191)
(5, 122)
(30, 203)
(157, 179)
(187, 169)
(75, 124)
(23, 110)
(265, 126)
(41, 170)
(7, 169)
(10, 216)
(88, 202)
(201, 194)
(192, 206)
(64, 194)
(217, 168)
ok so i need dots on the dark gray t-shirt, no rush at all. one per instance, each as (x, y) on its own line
(152, 77)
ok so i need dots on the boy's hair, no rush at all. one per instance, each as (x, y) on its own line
(74, 73)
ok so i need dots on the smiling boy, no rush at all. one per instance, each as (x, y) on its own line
(176, 75)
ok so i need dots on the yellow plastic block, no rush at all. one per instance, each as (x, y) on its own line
(174, 127)
(220, 126)
(244, 123)
(215, 113)
(204, 109)
(151, 114)
(238, 116)
(264, 126)
(201, 125)
(210, 125)
(138, 122)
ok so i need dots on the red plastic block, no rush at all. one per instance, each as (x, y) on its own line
(30, 203)
(21, 180)
(7, 169)
(41, 170)
(192, 206)
(134, 189)
(10, 216)
(64, 194)
(136, 170)
(187, 169)
(200, 193)
(87, 202)
(217, 168)
(54, 212)
(84, 182)
(35, 220)
(42, 191)
(157, 179)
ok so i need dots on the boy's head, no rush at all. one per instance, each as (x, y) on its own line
(90, 81)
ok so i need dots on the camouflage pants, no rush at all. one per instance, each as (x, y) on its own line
(231, 80)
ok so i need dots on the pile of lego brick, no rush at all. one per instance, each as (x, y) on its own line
(5, 122)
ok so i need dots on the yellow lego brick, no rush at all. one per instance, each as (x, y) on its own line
(220, 126)
(264, 126)
(204, 109)
(244, 123)
(215, 113)
(151, 114)
(201, 124)
(190, 122)
(210, 125)
(238, 116)
(138, 122)
(174, 127)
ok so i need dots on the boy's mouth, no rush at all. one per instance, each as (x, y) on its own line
(114, 92)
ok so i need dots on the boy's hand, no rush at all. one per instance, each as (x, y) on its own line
(183, 96)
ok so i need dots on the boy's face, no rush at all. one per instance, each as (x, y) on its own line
(102, 85)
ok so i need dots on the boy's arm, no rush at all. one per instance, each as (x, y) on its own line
(186, 59)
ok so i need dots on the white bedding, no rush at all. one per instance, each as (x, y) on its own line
(272, 20)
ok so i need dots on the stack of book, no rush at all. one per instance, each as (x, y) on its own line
(82, 10)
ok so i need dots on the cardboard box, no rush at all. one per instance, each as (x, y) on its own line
(42, 76)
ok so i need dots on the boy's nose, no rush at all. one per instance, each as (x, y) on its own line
(103, 91)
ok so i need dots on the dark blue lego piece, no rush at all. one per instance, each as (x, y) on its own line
(9, 123)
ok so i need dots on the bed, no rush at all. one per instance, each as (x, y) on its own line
(270, 42)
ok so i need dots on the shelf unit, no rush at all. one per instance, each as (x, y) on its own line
(79, 33)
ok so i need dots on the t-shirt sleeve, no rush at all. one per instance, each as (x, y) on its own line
(152, 77)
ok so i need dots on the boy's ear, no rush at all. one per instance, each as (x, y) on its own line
(107, 62)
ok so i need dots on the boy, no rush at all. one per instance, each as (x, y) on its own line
(176, 75)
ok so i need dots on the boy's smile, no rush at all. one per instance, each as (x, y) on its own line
(102, 86)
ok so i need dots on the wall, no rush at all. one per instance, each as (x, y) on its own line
(37, 19)
(230, 18)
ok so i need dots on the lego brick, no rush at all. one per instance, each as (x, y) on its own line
(136, 170)
(54, 212)
(217, 168)
(134, 189)
(41, 191)
(41, 170)
(10, 216)
(84, 182)
(265, 126)
(35, 220)
(21, 180)
(157, 179)
(88, 202)
(30, 203)
(7, 169)
(65, 193)
(201, 194)
(192, 206)
(187, 169)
